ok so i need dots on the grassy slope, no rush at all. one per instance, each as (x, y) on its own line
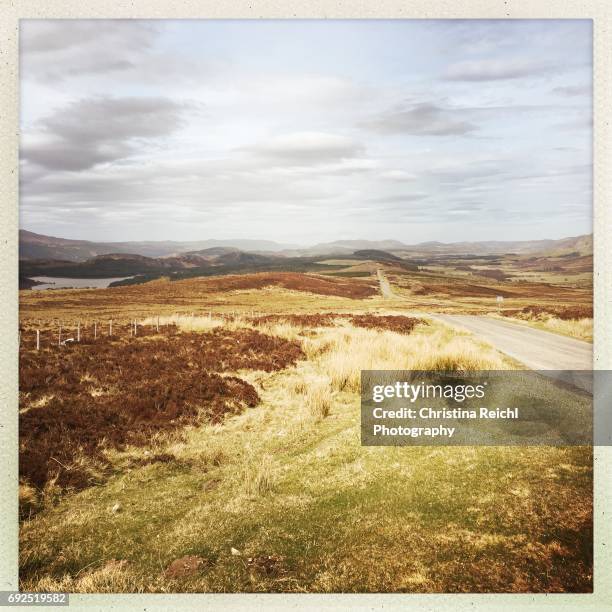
(581, 329)
(281, 480)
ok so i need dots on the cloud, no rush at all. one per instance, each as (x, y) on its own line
(461, 173)
(397, 175)
(574, 90)
(353, 139)
(98, 130)
(423, 119)
(399, 199)
(495, 69)
(54, 50)
(307, 147)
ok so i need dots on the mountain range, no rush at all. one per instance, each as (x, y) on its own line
(37, 246)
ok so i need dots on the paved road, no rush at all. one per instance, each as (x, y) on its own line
(385, 286)
(537, 349)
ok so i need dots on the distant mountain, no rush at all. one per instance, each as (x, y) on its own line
(355, 245)
(581, 245)
(240, 251)
(37, 246)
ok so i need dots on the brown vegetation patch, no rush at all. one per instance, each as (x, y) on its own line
(395, 323)
(341, 287)
(324, 319)
(225, 350)
(569, 264)
(118, 392)
(565, 313)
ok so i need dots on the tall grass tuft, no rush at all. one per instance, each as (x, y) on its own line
(318, 398)
(258, 475)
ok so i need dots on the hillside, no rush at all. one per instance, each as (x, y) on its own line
(38, 246)
(582, 245)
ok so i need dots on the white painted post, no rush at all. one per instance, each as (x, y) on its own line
(95, 330)
(135, 327)
(157, 325)
(38, 339)
(79, 331)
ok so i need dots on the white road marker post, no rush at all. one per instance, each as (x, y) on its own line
(38, 339)
(59, 337)
(95, 330)
(79, 331)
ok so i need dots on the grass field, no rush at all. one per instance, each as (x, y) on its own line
(219, 451)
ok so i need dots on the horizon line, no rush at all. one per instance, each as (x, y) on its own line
(307, 245)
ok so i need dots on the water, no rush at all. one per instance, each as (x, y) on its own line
(54, 282)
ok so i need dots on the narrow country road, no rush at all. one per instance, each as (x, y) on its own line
(385, 286)
(537, 349)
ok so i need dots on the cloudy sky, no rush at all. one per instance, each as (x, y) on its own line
(306, 131)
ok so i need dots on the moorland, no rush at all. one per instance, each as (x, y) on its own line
(197, 429)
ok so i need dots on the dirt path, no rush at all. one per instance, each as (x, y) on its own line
(385, 286)
(535, 348)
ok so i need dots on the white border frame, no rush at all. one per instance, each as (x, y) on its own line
(13, 10)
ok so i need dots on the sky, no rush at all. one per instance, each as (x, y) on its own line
(306, 131)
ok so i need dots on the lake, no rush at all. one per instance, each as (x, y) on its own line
(54, 282)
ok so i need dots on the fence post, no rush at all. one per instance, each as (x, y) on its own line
(135, 327)
(37, 339)
(95, 330)
(79, 331)
(157, 324)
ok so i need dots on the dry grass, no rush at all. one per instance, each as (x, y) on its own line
(344, 352)
(318, 398)
(581, 329)
(232, 323)
(258, 475)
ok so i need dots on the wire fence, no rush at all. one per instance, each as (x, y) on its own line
(39, 334)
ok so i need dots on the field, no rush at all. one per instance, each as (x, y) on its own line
(211, 443)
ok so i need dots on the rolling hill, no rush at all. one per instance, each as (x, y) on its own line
(38, 246)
